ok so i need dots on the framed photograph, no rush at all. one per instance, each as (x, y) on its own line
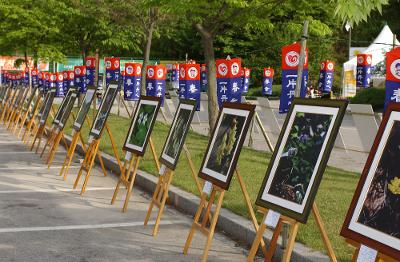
(30, 99)
(177, 133)
(34, 105)
(46, 98)
(373, 218)
(68, 109)
(21, 95)
(226, 142)
(300, 156)
(142, 124)
(104, 110)
(62, 107)
(84, 109)
(47, 107)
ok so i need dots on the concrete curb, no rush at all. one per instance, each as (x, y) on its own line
(237, 227)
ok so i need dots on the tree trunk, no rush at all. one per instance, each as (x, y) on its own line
(146, 56)
(26, 59)
(208, 48)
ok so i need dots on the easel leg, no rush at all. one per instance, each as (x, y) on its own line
(163, 201)
(212, 226)
(84, 164)
(324, 235)
(101, 162)
(195, 221)
(292, 237)
(192, 169)
(130, 188)
(153, 199)
(53, 150)
(68, 158)
(257, 240)
(48, 142)
(153, 151)
(123, 177)
(250, 208)
(91, 162)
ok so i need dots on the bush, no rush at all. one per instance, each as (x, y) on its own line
(373, 96)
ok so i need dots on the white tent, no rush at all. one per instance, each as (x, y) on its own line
(378, 48)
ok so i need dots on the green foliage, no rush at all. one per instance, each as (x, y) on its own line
(356, 11)
(372, 96)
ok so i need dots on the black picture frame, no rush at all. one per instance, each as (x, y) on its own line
(104, 110)
(84, 109)
(146, 103)
(47, 107)
(68, 109)
(292, 179)
(177, 133)
(218, 168)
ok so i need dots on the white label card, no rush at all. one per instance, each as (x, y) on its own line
(128, 156)
(162, 170)
(207, 187)
(73, 132)
(90, 139)
(272, 218)
(366, 254)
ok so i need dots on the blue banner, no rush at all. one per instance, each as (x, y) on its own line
(392, 93)
(267, 86)
(229, 90)
(325, 81)
(289, 78)
(363, 76)
(90, 76)
(132, 88)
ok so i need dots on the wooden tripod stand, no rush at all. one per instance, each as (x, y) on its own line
(90, 156)
(210, 232)
(76, 136)
(294, 227)
(128, 174)
(207, 217)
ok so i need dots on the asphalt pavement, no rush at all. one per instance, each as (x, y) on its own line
(43, 219)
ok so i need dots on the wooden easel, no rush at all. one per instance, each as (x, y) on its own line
(54, 143)
(159, 198)
(16, 114)
(128, 174)
(294, 227)
(379, 257)
(210, 232)
(90, 156)
(76, 135)
(208, 215)
(8, 106)
(31, 123)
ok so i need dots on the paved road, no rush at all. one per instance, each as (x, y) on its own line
(43, 219)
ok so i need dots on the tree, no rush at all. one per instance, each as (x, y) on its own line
(236, 24)
(356, 11)
(27, 27)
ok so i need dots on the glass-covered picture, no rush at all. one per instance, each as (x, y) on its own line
(373, 218)
(300, 157)
(142, 125)
(226, 143)
(177, 133)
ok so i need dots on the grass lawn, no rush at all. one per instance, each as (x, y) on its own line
(333, 199)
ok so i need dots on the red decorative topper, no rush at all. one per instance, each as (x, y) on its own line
(160, 72)
(268, 72)
(189, 72)
(60, 77)
(150, 72)
(291, 57)
(112, 63)
(327, 66)
(393, 65)
(364, 59)
(228, 68)
(133, 69)
(80, 70)
(90, 62)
